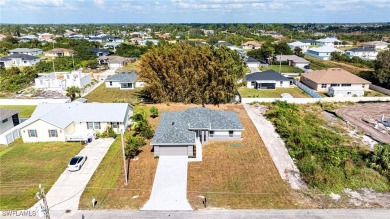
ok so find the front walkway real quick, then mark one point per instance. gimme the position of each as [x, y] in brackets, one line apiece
[170, 185]
[199, 155]
[65, 194]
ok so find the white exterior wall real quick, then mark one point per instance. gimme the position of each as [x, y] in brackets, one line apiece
[115, 65]
[321, 55]
[19, 62]
[115, 84]
[299, 65]
[7, 63]
[139, 84]
[75, 79]
[363, 55]
[346, 93]
[285, 84]
[8, 124]
[253, 65]
[42, 132]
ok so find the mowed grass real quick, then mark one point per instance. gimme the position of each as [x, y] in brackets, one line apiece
[272, 93]
[113, 95]
[24, 111]
[283, 69]
[25, 165]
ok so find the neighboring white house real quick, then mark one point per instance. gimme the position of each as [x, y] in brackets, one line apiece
[354, 91]
[266, 80]
[74, 121]
[329, 41]
[100, 52]
[323, 52]
[18, 60]
[26, 51]
[62, 80]
[377, 45]
[367, 53]
[298, 44]
[252, 62]
[28, 38]
[292, 60]
[124, 80]
[9, 118]
[145, 42]
[113, 62]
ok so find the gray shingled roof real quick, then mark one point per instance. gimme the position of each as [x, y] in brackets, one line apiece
[6, 113]
[25, 50]
[252, 60]
[174, 127]
[18, 56]
[265, 76]
[124, 77]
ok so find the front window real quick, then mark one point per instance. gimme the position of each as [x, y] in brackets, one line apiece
[110, 83]
[93, 125]
[32, 133]
[346, 85]
[211, 134]
[334, 85]
[230, 134]
[5, 120]
[53, 133]
[323, 85]
[115, 125]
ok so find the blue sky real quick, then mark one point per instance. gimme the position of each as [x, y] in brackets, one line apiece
[194, 11]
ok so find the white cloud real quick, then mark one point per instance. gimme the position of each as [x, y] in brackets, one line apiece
[99, 3]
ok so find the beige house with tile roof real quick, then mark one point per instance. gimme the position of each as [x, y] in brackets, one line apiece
[322, 80]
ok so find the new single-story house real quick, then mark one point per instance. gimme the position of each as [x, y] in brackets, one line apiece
[179, 132]
[100, 52]
[322, 80]
[298, 44]
[293, 60]
[74, 121]
[26, 51]
[58, 52]
[322, 53]
[367, 53]
[329, 41]
[28, 38]
[18, 60]
[9, 118]
[310, 42]
[252, 62]
[251, 45]
[377, 45]
[62, 80]
[124, 80]
[269, 79]
[113, 62]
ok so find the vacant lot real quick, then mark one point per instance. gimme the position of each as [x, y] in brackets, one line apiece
[283, 69]
[275, 93]
[317, 64]
[108, 95]
[24, 111]
[25, 165]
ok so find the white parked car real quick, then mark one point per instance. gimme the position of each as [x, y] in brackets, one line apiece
[77, 162]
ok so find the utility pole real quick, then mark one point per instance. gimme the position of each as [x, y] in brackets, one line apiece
[73, 62]
[42, 191]
[124, 158]
[53, 60]
[280, 63]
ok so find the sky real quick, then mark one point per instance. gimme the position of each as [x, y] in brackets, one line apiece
[193, 11]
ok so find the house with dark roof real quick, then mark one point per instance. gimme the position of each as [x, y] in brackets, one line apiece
[179, 132]
[269, 79]
[252, 62]
[124, 80]
[100, 52]
[74, 121]
[367, 53]
[18, 60]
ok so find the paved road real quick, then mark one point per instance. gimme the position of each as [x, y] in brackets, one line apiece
[230, 214]
[66, 192]
[169, 190]
[276, 148]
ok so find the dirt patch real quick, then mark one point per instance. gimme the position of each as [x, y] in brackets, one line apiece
[366, 118]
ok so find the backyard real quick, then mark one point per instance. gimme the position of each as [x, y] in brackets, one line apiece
[249, 178]
[272, 93]
[25, 165]
[108, 95]
[24, 111]
[283, 69]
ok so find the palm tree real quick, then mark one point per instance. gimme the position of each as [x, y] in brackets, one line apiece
[72, 92]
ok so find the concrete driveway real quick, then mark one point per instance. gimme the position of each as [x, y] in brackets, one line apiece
[66, 192]
[170, 185]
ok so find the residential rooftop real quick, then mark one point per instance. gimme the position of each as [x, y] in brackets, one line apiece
[124, 77]
[6, 113]
[18, 56]
[269, 75]
[334, 75]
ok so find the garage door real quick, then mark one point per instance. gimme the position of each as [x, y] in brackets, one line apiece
[173, 151]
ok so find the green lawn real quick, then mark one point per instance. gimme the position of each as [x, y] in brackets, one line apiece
[25, 165]
[111, 95]
[24, 111]
[283, 69]
[250, 92]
